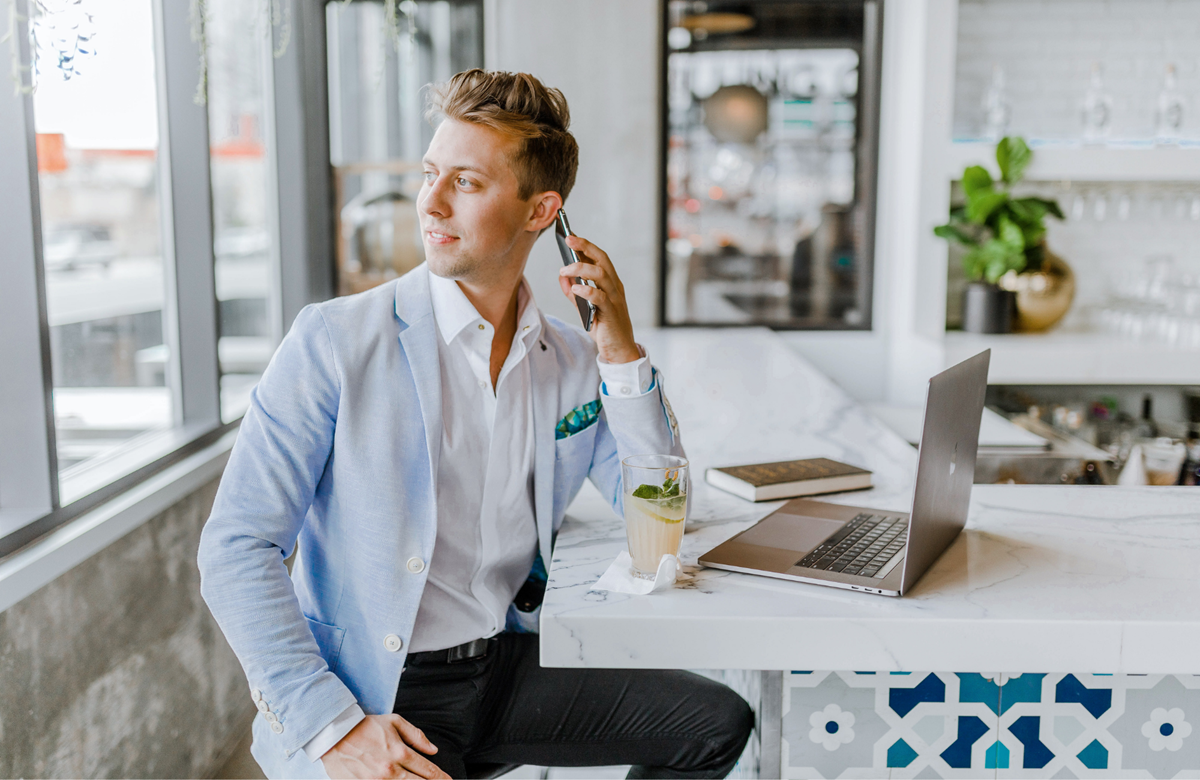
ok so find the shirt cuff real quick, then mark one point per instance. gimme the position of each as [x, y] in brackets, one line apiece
[626, 379]
[332, 734]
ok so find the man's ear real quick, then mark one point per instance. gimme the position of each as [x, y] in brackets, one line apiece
[545, 209]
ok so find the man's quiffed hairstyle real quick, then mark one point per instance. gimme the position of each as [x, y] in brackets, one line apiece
[521, 107]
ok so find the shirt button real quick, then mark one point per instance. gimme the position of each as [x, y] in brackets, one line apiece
[277, 727]
[262, 706]
[416, 565]
[256, 695]
[625, 390]
[392, 643]
[482, 326]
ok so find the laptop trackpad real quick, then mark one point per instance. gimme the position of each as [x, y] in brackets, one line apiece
[791, 532]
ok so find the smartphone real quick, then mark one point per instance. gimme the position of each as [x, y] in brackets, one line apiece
[562, 229]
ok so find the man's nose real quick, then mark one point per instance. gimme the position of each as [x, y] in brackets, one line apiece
[433, 200]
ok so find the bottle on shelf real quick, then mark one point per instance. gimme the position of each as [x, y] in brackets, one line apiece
[1168, 119]
[996, 109]
[1146, 427]
[1097, 108]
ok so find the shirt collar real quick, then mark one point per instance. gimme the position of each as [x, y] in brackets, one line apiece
[453, 311]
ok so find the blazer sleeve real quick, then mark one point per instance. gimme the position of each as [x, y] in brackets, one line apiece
[632, 425]
[281, 452]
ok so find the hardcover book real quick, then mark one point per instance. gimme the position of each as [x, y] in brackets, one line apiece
[788, 479]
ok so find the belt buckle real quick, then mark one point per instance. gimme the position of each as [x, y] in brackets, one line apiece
[476, 648]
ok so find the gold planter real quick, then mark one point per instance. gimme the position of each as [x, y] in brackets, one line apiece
[1044, 293]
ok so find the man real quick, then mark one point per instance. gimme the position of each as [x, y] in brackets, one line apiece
[419, 444]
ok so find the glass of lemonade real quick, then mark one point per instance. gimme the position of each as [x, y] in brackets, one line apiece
[656, 492]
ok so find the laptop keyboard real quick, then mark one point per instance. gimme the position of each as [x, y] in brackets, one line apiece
[863, 546]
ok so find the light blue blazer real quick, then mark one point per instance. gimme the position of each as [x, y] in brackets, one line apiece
[338, 455]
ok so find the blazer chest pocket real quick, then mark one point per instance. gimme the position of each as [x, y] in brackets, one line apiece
[577, 444]
[329, 641]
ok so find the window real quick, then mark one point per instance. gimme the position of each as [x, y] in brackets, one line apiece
[108, 306]
[156, 247]
[771, 116]
[246, 262]
[97, 162]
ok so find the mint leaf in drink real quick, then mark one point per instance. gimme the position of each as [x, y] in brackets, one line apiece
[676, 501]
[648, 491]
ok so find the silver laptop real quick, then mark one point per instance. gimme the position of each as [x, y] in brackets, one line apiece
[870, 549]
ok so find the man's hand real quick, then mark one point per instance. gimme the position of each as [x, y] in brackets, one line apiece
[611, 329]
[382, 746]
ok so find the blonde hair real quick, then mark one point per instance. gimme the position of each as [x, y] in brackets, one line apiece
[520, 107]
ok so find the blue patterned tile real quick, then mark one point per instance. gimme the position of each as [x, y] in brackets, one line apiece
[1027, 726]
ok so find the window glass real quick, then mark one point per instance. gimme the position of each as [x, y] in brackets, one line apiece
[96, 117]
[242, 245]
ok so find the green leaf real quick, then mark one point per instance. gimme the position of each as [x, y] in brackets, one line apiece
[1013, 156]
[952, 232]
[1010, 235]
[1049, 206]
[1028, 211]
[994, 270]
[992, 260]
[976, 179]
[974, 262]
[982, 205]
[648, 491]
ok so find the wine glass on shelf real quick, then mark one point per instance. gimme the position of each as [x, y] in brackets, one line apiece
[1168, 118]
[996, 109]
[1097, 108]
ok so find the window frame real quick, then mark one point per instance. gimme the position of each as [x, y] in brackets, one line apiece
[32, 503]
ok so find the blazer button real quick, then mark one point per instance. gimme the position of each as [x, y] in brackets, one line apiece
[262, 705]
[416, 565]
[256, 695]
[392, 643]
[277, 727]
[270, 716]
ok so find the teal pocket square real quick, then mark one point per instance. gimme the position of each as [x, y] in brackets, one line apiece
[577, 419]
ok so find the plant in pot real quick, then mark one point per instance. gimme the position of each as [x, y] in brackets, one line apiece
[1002, 236]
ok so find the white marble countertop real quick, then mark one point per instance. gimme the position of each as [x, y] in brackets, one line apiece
[1044, 578]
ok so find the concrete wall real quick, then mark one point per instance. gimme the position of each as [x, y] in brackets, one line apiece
[117, 669]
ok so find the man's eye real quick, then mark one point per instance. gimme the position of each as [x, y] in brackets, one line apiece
[465, 182]
[430, 176]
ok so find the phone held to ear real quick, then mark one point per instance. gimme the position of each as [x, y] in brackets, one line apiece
[562, 229]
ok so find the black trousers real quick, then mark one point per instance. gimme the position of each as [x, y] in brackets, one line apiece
[505, 708]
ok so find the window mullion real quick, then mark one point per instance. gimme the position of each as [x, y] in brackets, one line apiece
[190, 311]
[28, 461]
[298, 133]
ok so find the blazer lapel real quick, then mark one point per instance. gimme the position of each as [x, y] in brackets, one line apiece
[543, 365]
[418, 336]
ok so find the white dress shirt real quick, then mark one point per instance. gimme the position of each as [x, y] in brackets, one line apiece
[486, 534]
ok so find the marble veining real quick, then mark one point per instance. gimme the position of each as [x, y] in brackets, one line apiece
[1052, 578]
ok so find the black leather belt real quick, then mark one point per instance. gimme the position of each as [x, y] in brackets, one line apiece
[476, 648]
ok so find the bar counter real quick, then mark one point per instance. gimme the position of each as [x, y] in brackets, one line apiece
[1055, 581]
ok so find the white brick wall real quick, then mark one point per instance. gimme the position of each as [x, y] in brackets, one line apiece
[1047, 48]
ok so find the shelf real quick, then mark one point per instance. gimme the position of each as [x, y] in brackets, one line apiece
[1070, 358]
[1079, 163]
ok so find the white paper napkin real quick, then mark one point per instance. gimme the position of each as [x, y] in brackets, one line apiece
[619, 579]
